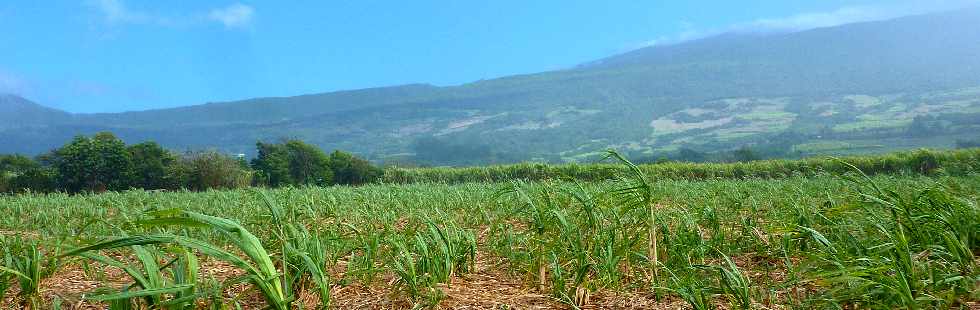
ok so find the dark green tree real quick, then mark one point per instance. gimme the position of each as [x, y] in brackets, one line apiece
[272, 164]
[11, 167]
[745, 154]
[292, 162]
[308, 164]
[150, 164]
[93, 164]
[351, 170]
[211, 170]
[17, 163]
[37, 179]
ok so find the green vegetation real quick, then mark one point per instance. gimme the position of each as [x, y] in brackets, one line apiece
[832, 237]
[958, 162]
[104, 163]
[292, 163]
[717, 94]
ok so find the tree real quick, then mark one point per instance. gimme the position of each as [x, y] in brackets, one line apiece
[744, 154]
[93, 164]
[272, 164]
[308, 164]
[37, 179]
[12, 167]
[16, 163]
[150, 164]
[351, 170]
[211, 170]
[292, 163]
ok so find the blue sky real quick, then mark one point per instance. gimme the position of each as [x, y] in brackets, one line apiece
[117, 55]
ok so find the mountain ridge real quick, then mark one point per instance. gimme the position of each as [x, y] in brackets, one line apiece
[17, 111]
[713, 93]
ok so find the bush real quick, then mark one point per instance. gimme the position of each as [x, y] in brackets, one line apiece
[5, 179]
[956, 162]
[40, 180]
[150, 162]
[292, 163]
[93, 164]
[209, 170]
[351, 170]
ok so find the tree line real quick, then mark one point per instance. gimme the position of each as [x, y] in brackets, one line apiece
[104, 162]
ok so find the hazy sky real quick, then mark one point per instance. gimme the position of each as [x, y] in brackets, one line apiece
[115, 55]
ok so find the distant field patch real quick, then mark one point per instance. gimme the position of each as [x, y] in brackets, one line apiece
[872, 124]
[666, 126]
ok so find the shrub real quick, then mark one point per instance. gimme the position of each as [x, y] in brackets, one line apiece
[150, 162]
[351, 170]
[292, 163]
[93, 164]
[41, 180]
[210, 170]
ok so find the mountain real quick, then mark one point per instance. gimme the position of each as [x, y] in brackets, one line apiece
[864, 87]
[16, 112]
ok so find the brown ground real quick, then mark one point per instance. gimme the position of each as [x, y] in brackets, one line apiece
[486, 288]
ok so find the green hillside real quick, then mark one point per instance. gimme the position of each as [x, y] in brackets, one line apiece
[17, 112]
[858, 88]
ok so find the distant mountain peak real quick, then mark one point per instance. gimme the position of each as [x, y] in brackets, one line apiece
[10, 96]
[859, 83]
[17, 111]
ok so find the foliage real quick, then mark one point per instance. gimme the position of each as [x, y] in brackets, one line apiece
[957, 162]
[105, 163]
[93, 164]
[751, 87]
[819, 241]
[745, 154]
[272, 164]
[16, 163]
[351, 170]
[211, 170]
[150, 162]
[41, 180]
[292, 163]
[27, 265]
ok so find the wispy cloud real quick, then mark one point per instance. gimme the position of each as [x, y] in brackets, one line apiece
[812, 20]
[689, 33]
[806, 21]
[236, 15]
[115, 11]
[233, 16]
[851, 14]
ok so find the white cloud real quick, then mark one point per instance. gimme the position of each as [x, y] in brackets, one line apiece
[683, 36]
[852, 14]
[117, 12]
[232, 16]
[806, 21]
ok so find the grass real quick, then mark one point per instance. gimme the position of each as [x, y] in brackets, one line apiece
[809, 240]
[24, 263]
[957, 162]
